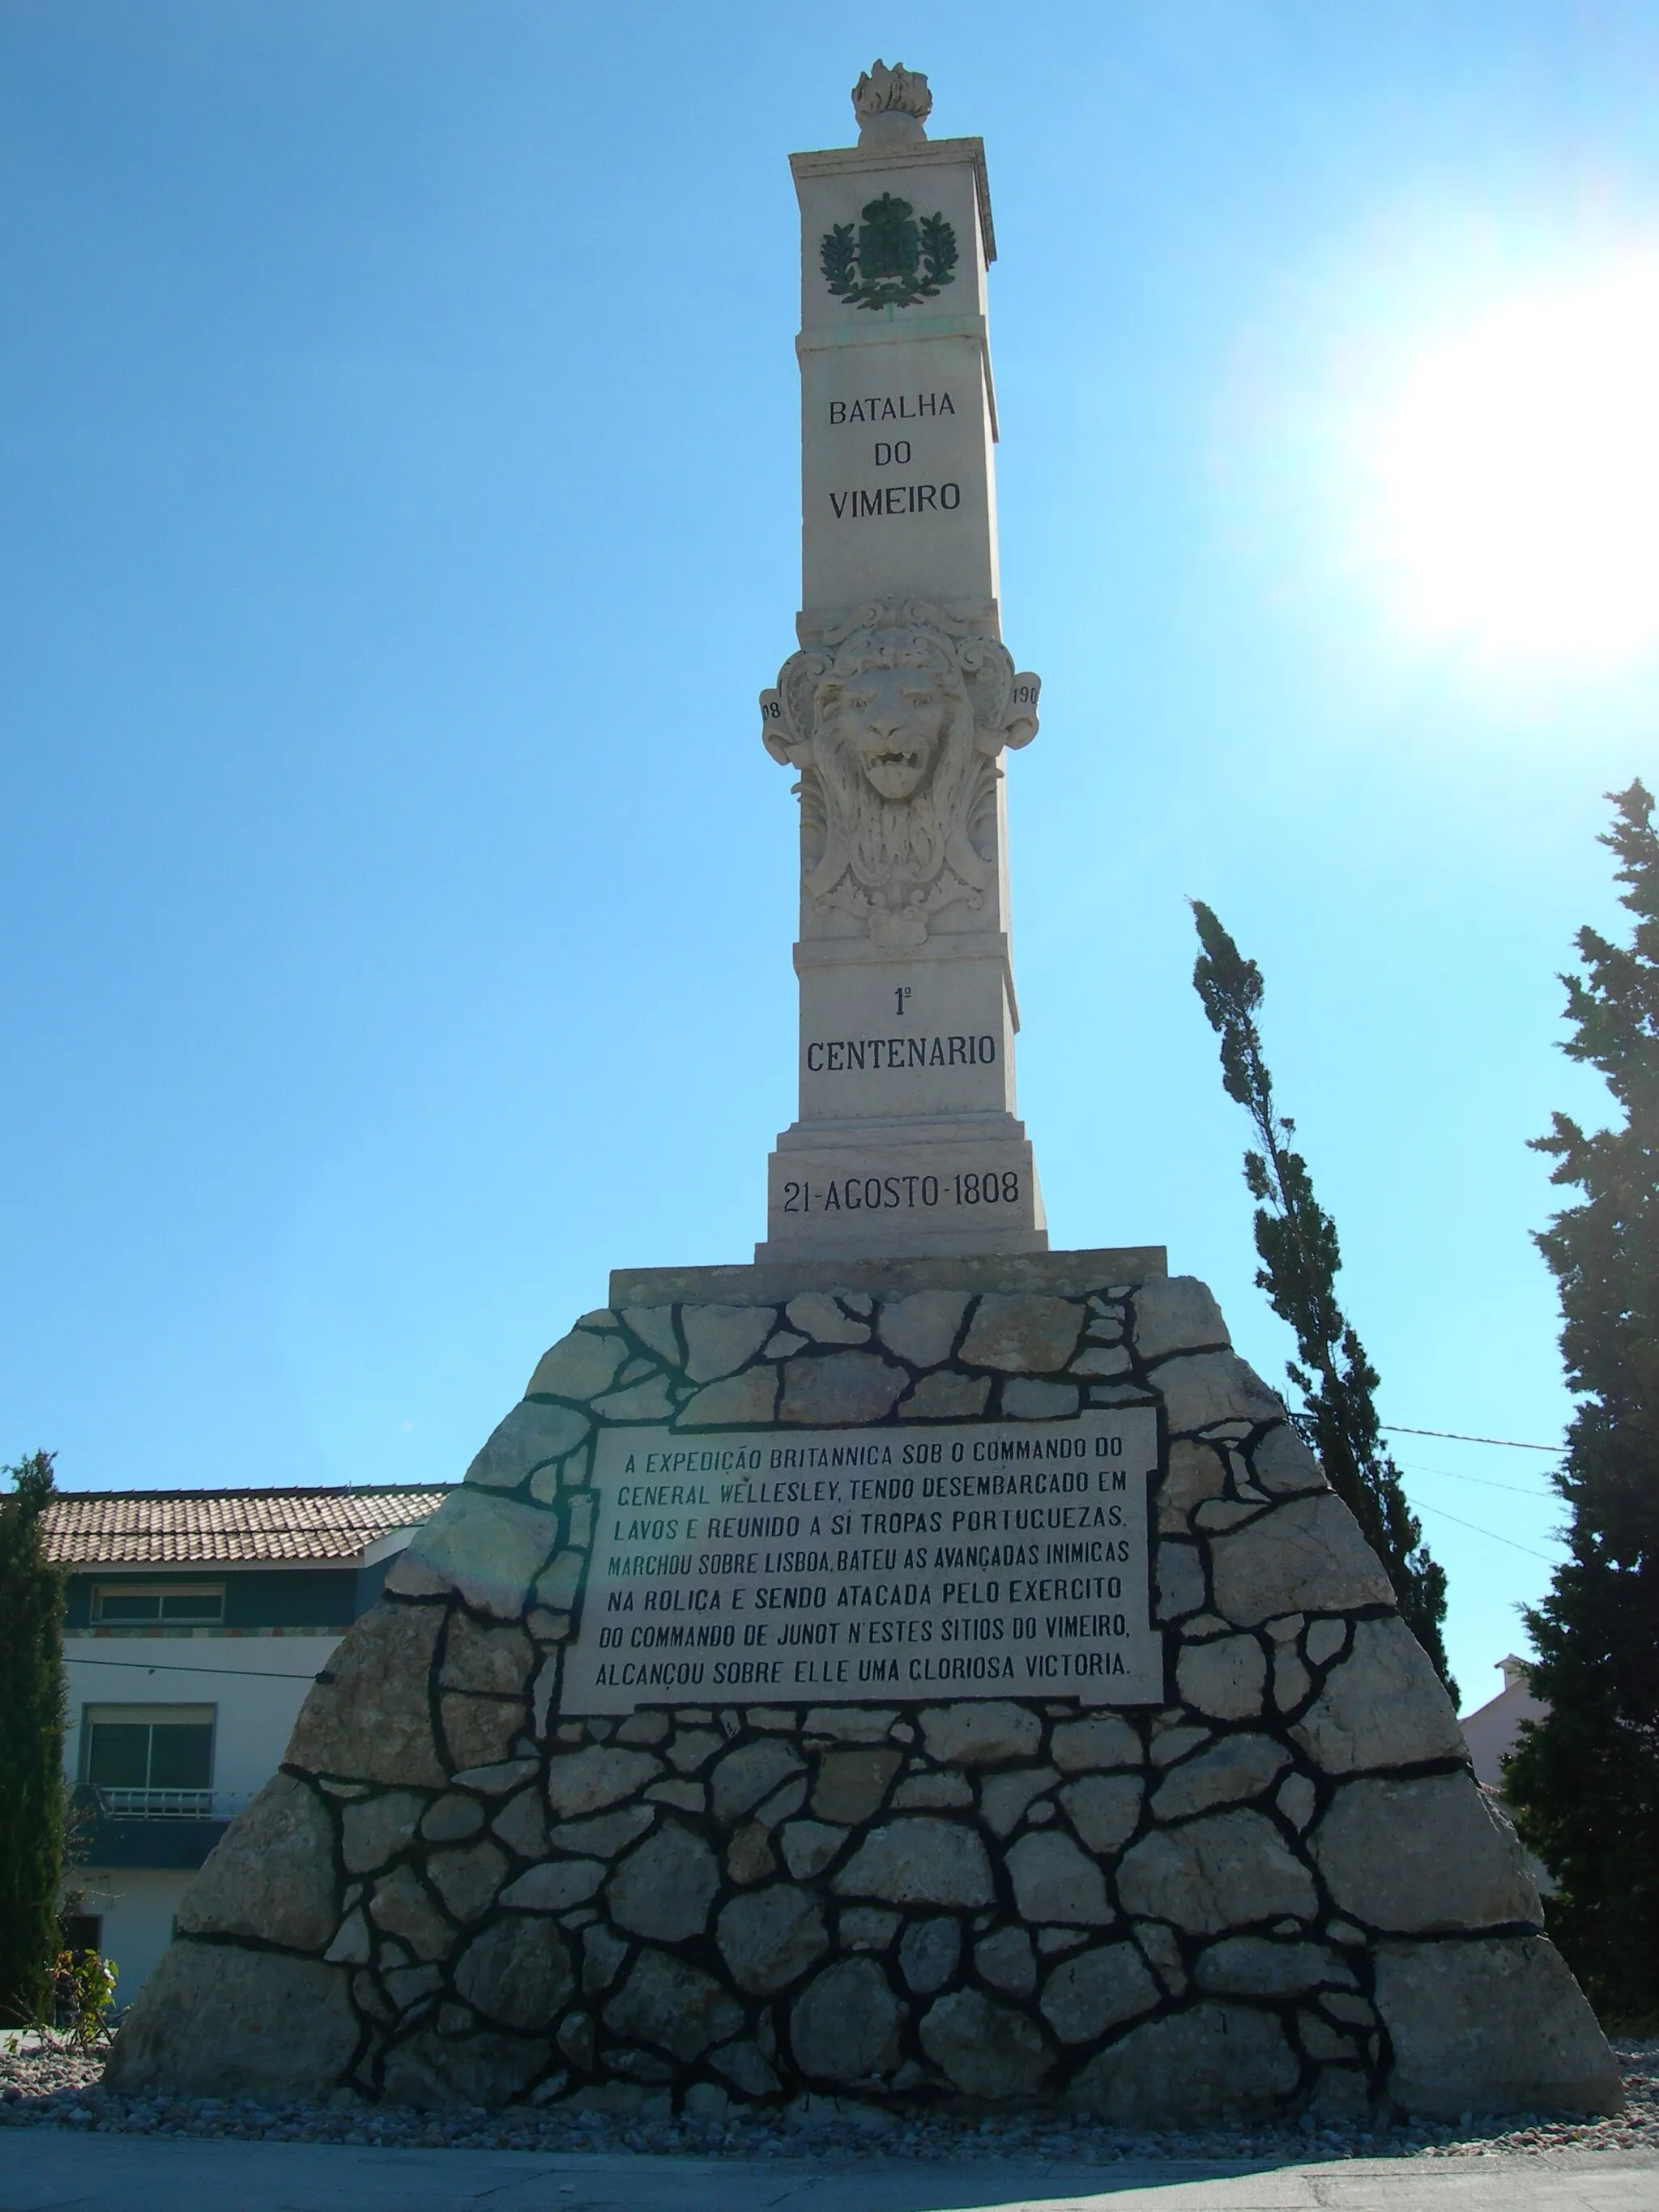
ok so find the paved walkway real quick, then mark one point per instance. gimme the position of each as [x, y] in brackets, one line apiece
[42, 2169]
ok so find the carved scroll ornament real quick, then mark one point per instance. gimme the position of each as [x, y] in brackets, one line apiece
[895, 724]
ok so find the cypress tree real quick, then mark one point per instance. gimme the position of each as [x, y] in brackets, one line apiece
[1585, 1781]
[1297, 1241]
[31, 1746]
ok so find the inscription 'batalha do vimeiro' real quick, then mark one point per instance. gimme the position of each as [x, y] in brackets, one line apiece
[918, 1666]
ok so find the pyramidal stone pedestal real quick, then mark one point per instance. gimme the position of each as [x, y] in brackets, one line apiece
[919, 1666]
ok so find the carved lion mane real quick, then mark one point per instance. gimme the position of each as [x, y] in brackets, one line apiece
[895, 856]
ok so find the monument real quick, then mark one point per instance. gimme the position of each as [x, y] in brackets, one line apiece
[919, 1665]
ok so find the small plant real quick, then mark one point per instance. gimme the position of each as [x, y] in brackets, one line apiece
[82, 1997]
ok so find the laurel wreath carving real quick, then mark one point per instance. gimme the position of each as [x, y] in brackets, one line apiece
[838, 255]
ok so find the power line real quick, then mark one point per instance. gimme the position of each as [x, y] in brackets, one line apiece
[1515, 1489]
[1491, 1533]
[1453, 1437]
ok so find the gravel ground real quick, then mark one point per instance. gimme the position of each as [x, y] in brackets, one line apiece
[59, 2088]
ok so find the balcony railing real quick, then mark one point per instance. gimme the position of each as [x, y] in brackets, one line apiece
[169, 1804]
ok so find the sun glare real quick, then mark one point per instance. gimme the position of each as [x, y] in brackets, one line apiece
[1514, 479]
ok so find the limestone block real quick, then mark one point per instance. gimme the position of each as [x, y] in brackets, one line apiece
[434, 2070]
[985, 2050]
[578, 1365]
[840, 1388]
[919, 1859]
[487, 1549]
[1223, 1871]
[1384, 1705]
[1026, 1398]
[584, 1781]
[1493, 2026]
[270, 1875]
[929, 1951]
[558, 1584]
[817, 1316]
[1238, 1766]
[452, 1819]
[1224, 1679]
[944, 1790]
[851, 1724]
[743, 1777]
[1173, 1738]
[467, 1880]
[1022, 1334]
[665, 1888]
[851, 1784]
[1296, 1800]
[375, 1829]
[1324, 1639]
[1084, 1747]
[1097, 1989]
[1201, 1389]
[687, 1796]
[642, 1401]
[693, 1748]
[1282, 1463]
[1104, 1808]
[1053, 1881]
[533, 1433]
[845, 2025]
[867, 1928]
[644, 1727]
[1292, 1680]
[215, 2021]
[1006, 1960]
[371, 1722]
[518, 1971]
[556, 1886]
[809, 1846]
[770, 1938]
[980, 1733]
[353, 1944]
[1176, 1313]
[744, 2065]
[748, 1855]
[1196, 2066]
[719, 1339]
[654, 1326]
[606, 1834]
[945, 1397]
[1004, 1798]
[1180, 1580]
[480, 1731]
[602, 1957]
[739, 1401]
[923, 1328]
[1196, 1471]
[401, 1907]
[407, 1988]
[1419, 1857]
[668, 2002]
[1305, 1557]
[1252, 1966]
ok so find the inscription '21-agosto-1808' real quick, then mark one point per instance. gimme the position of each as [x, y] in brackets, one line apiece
[991, 1559]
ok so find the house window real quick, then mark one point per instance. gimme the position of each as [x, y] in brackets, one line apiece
[158, 1602]
[82, 1931]
[150, 1759]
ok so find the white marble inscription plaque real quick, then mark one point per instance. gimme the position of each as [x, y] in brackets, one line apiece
[794, 1566]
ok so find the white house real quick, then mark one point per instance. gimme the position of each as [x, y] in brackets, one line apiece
[195, 1622]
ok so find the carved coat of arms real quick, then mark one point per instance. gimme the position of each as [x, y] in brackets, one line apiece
[890, 259]
[895, 724]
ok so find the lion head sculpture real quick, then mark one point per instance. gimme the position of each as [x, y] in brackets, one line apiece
[895, 724]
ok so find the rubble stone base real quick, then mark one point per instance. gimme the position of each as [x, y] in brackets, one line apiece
[1282, 1890]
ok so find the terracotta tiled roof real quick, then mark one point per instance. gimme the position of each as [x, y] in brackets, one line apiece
[201, 1528]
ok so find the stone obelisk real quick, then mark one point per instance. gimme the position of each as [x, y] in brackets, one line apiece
[922, 1667]
[897, 713]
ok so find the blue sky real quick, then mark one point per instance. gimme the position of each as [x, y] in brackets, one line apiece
[398, 476]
